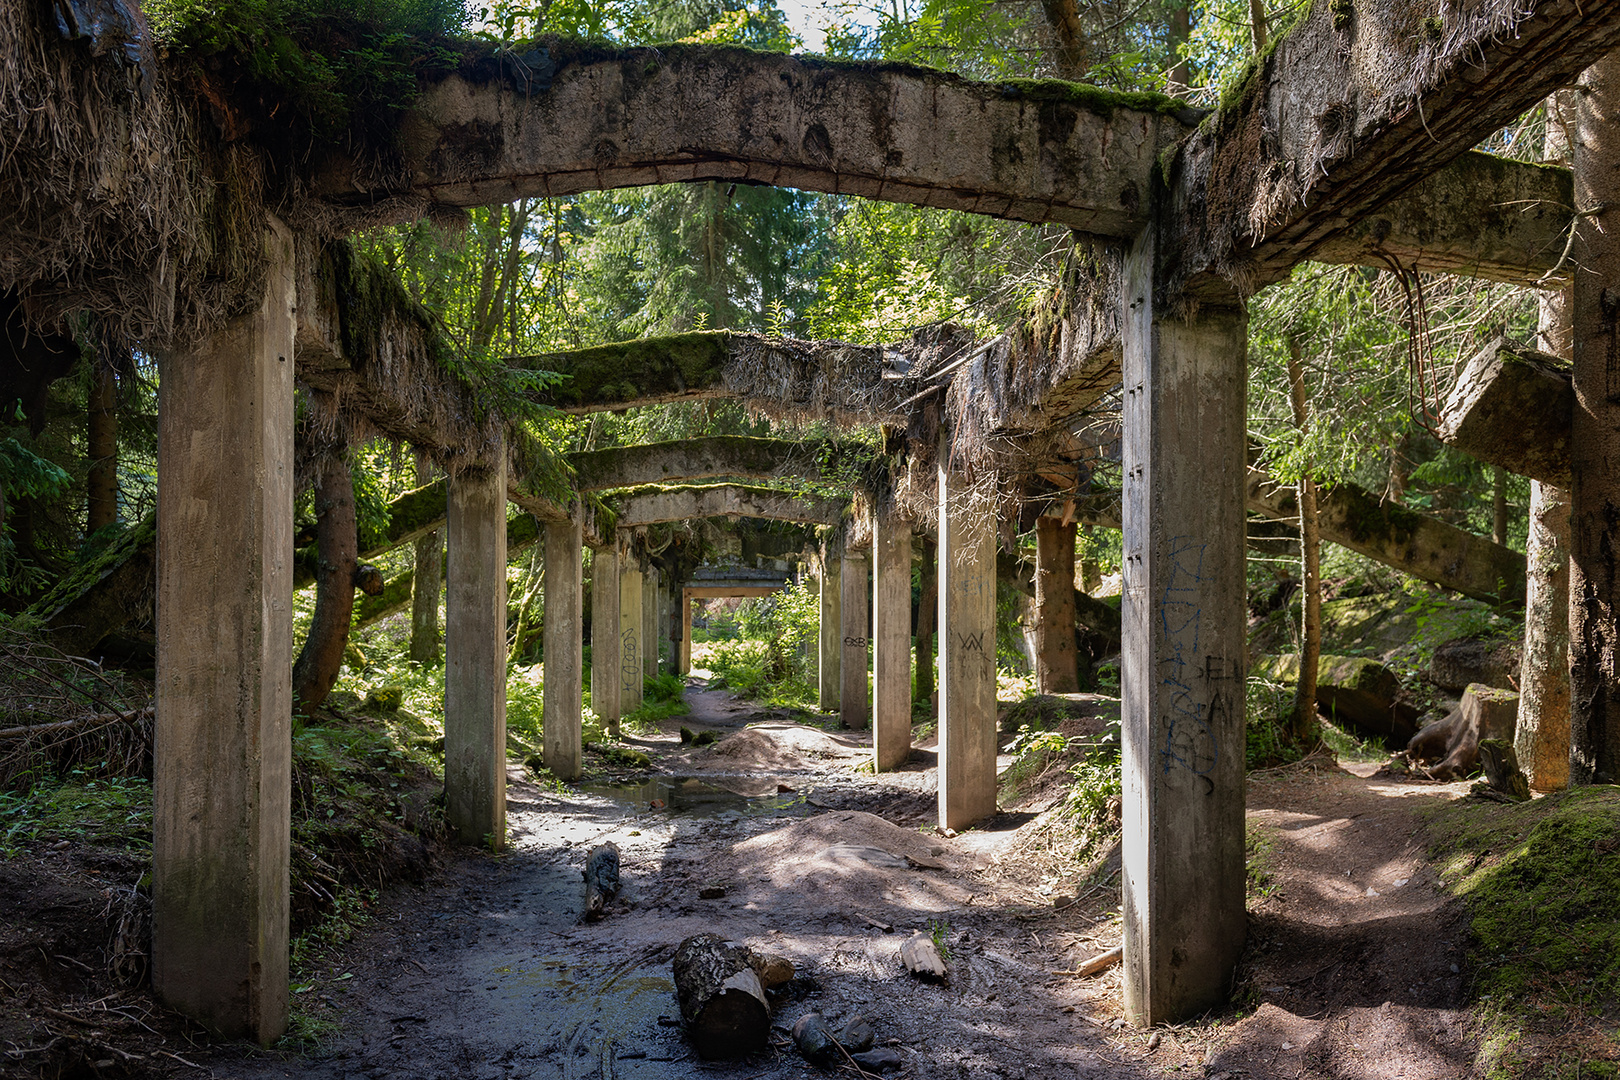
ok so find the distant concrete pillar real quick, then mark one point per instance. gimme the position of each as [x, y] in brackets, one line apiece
[632, 632]
[1053, 656]
[830, 640]
[475, 658]
[891, 644]
[222, 784]
[649, 623]
[563, 749]
[1184, 652]
[967, 648]
[685, 667]
[605, 663]
[855, 612]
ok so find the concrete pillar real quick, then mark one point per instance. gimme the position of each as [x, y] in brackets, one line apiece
[222, 784]
[631, 631]
[967, 648]
[856, 621]
[563, 748]
[475, 658]
[605, 637]
[830, 640]
[891, 644]
[685, 667]
[649, 622]
[1184, 653]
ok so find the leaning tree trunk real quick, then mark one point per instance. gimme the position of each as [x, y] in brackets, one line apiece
[337, 543]
[1305, 729]
[1056, 667]
[927, 610]
[1594, 579]
[101, 441]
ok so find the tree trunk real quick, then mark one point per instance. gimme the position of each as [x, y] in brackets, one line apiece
[1499, 506]
[1177, 78]
[425, 584]
[927, 610]
[1063, 16]
[1056, 669]
[525, 630]
[1305, 728]
[721, 998]
[319, 661]
[1594, 579]
[101, 439]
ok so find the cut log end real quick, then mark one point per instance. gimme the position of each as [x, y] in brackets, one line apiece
[721, 999]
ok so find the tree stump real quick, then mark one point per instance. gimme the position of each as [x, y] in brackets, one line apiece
[1484, 713]
[1502, 770]
[721, 998]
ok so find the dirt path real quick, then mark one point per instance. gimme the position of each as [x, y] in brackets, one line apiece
[489, 973]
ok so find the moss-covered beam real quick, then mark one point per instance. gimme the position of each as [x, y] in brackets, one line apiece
[653, 506]
[743, 457]
[573, 117]
[1389, 533]
[1514, 408]
[106, 593]
[1358, 102]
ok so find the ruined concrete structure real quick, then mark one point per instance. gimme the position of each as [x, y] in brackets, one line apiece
[1348, 142]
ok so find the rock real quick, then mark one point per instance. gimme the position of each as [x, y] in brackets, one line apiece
[814, 1038]
[884, 1059]
[385, 698]
[1485, 713]
[1353, 690]
[857, 1034]
[1458, 663]
[712, 892]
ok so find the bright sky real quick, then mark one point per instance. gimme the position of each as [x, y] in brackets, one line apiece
[809, 18]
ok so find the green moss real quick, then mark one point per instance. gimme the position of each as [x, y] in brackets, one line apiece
[1541, 881]
[1095, 99]
[634, 372]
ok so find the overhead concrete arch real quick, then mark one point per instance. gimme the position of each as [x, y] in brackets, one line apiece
[741, 456]
[662, 505]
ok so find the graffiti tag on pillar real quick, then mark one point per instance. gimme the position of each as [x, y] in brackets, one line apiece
[629, 660]
[1189, 741]
[854, 643]
[971, 642]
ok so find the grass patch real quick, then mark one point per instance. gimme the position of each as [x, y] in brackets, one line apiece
[108, 811]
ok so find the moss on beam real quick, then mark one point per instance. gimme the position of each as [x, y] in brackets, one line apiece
[634, 372]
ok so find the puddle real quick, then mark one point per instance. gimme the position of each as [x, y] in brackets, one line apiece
[711, 796]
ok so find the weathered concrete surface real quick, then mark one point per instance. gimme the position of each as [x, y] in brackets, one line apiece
[632, 634]
[741, 457]
[830, 636]
[605, 636]
[1184, 652]
[475, 658]
[891, 642]
[594, 118]
[1347, 112]
[720, 500]
[1513, 408]
[650, 658]
[1420, 545]
[222, 771]
[855, 622]
[563, 747]
[967, 649]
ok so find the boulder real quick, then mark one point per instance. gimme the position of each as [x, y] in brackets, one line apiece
[1464, 661]
[1484, 713]
[1354, 690]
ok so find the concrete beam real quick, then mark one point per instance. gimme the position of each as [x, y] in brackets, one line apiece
[605, 636]
[855, 623]
[1513, 408]
[1345, 114]
[222, 770]
[722, 500]
[700, 592]
[891, 642]
[650, 660]
[1184, 652]
[632, 634]
[588, 118]
[563, 749]
[967, 649]
[740, 457]
[475, 658]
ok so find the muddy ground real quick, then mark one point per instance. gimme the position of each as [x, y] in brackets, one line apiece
[1355, 967]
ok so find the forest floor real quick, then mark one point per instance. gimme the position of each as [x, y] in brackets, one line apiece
[1355, 964]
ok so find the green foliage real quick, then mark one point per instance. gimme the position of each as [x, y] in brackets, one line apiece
[775, 657]
[113, 811]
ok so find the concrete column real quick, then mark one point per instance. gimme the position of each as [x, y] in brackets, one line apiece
[891, 645]
[856, 620]
[563, 748]
[1184, 653]
[685, 667]
[631, 634]
[475, 658]
[222, 783]
[830, 640]
[649, 622]
[967, 648]
[605, 637]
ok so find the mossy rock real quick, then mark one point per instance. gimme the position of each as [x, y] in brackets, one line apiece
[1350, 689]
[385, 698]
[627, 757]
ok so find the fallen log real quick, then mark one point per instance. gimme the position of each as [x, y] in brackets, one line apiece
[721, 999]
[601, 879]
[921, 957]
[1513, 407]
